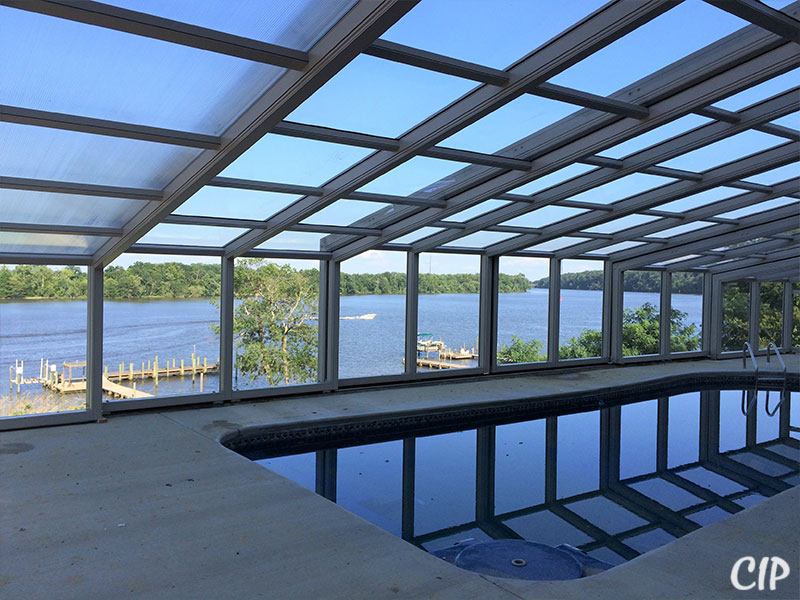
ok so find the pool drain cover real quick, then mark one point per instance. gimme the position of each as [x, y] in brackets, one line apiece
[519, 559]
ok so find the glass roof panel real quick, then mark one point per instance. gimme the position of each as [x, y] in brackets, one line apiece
[650, 47]
[547, 215]
[624, 187]
[510, 123]
[190, 235]
[382, 97]
[477, 210]
[700, 199]
[412, 237]
[759, 92]
[292, 240]
[25, 206]
[778, 175]
[234, 203]
[294, 160]
[49, 243]
[621, 223]
[481, 239]
[143, 80]
[344, 212]
[680, 229]
[556, 244]
[616, 247]
[791, 120]
[494, 34]
[759, 207]
[721, 152]
[679, 259]
[655, 136]
[554, 178]
[294, 24]
[54, 154]
[419, 176]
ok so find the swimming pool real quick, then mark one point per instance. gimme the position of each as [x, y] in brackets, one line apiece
[615, 481]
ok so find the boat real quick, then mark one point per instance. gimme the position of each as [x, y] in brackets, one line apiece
[367, 317]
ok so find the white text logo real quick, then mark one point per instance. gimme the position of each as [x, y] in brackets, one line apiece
[778, 569]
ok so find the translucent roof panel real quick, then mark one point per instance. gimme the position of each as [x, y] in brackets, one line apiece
[292, 240]
[495, 34]
[47, 243]
[54, 154]
[294, 24]
[547, 215]
[700, 199]
[481, 239]
[621, 224]
[419, 176]
[24, 206]
[396, 97]
[680, 229]
[773, 176]
[760, 207]
[477, 210]
[616, 247]
[190, 235]
[656, 136]
[344, 212]
[650, 47]
[293, 160]
[791, 120]
[724, 151]
[412, 237]
[510, 123]
[143, 80]
[233, 203]
[554, 178]
[759, 92]
[556, 244]
[624, 187]
[679, 259]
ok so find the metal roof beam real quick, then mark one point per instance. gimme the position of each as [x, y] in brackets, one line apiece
[58, 229]
[255, 224]
[167, 30]
[708, 258]
[81, 189]
[36, 258]
[762, 15]
[783, 265]
[337, 136]
[587, 100]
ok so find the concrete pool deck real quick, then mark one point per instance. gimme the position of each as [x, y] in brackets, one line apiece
[151, 505]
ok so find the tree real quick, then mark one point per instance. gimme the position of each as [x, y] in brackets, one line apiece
[275, 323]
[520, 351]
[588, 344]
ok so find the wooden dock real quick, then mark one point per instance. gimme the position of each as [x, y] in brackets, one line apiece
[430, 363]
[109, 387]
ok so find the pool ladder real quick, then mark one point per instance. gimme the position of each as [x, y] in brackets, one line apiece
[750, 397]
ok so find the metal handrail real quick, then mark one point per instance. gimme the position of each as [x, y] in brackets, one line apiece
[774, 411]
[748, 406]
[778, 354]
[747, 347]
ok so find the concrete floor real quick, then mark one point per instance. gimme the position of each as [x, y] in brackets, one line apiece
[152, 506]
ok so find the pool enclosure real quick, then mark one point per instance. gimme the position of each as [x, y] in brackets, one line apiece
[135, 128]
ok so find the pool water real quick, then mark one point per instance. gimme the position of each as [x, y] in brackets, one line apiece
[615, 482]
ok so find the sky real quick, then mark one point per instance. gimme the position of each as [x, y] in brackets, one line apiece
[368, 95]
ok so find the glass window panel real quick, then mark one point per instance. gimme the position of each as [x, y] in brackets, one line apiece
[50, 243]
[774, 176]
[275, 323]
[235, 204]
[581, 306]
[624, 187]
[638, 439]
[686, 322]
[344, 212]
[477, 210]
[143, 81]
[40, 338]
[758, 208]
[762, 91]
[617, 247]
[680, 229]
[701, 199]
[397, 98]
[683, 431]
[522, 310]
[641, 303]
[419, 176]
[554, 178]
[295, 24]
[55, 154]
[771, 312]
[481, 239]
[578, 454]
[556, 244]
[508, 124]
[372, 309]
[418, 234]
[293, 240]
[735, 314]
[650, 47]
[447, 323]
[293, 160]
[656, 136]
[519, 465]
[159, 320]
[547, 215]
[191, 235]
[724, 151]
[493, 34]
[620, 224]
[25, 206]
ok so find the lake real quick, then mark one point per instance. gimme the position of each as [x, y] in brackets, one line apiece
[137, 331]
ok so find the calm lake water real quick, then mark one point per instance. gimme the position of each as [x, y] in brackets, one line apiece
[137, 331]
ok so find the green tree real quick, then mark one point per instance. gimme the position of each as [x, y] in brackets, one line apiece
[735, 314]
[588, 344]
[274, 324]
[520, 351]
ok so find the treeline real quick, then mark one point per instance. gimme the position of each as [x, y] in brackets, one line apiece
[179, 280]
[634, 281]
